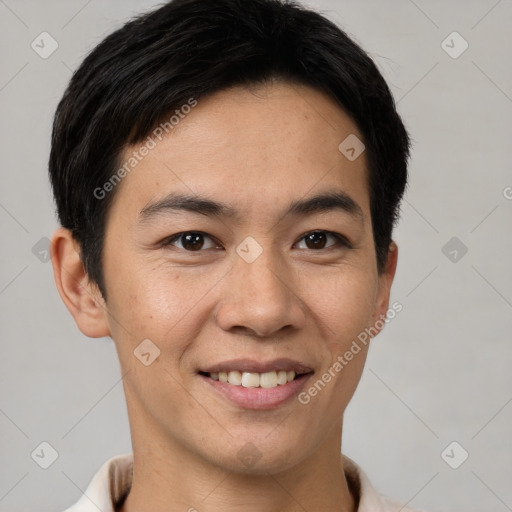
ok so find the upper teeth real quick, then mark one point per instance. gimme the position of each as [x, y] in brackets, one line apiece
[254, 380]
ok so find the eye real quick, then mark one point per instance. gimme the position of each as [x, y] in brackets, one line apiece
[192, 241]
[317, 239]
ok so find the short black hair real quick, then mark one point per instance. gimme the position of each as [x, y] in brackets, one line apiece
[154, 64]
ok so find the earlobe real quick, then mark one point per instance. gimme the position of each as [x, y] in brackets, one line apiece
[82, 298]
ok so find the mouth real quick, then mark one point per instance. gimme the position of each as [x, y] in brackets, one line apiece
[267, 380]
[255, 385]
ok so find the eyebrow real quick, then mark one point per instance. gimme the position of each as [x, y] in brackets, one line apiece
[320, 203]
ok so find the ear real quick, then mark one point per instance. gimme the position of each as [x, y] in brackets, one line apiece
[82, 298]
[384, 287]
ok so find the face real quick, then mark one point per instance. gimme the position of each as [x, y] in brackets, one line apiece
[246, 285]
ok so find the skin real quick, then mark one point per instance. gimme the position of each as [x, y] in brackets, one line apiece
[257, 151]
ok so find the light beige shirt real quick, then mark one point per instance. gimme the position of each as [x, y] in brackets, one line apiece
[113, 481]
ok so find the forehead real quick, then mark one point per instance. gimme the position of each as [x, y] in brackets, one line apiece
[252, 148]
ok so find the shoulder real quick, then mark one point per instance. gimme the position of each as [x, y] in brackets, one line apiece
[107, 487]
[369, 500]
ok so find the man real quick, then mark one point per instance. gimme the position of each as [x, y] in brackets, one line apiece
[227, 174]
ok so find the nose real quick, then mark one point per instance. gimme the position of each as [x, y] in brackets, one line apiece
[260, 298]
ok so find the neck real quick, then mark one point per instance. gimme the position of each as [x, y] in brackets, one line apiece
[168, 477]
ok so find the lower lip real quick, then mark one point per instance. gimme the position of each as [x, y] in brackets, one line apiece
[258, 398]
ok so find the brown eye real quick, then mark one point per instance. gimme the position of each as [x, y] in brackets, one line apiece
[318, 240]
[191, 241]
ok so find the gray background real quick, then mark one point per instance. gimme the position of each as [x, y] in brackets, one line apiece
[440, 371]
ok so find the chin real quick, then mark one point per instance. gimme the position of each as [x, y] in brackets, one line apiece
[261, 456]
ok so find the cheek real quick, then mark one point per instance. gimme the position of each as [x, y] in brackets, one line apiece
[344, 304]
[344, 311]
[163, 305]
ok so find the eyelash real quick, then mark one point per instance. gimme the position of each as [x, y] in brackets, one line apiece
[342, 240]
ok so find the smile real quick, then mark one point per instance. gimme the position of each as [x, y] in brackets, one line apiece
[252, 384]
[254, 380]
